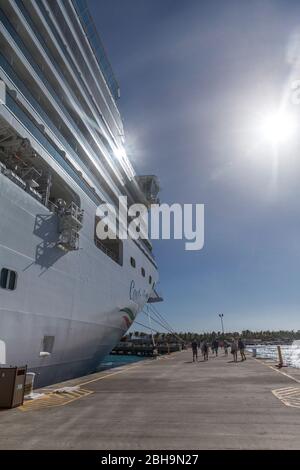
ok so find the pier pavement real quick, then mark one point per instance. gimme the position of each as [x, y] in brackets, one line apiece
[169, 403]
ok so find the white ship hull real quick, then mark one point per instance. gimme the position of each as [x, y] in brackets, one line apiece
[59, 120]
[76, 297]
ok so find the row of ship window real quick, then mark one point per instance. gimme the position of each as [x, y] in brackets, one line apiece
[143, 272]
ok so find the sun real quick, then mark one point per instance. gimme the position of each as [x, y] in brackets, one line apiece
[278, 127]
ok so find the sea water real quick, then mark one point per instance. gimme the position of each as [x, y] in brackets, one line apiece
[117, 360]
[290, 353]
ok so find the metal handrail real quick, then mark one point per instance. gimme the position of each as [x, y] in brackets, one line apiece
[97, 46]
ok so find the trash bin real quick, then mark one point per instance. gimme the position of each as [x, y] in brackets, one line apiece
[12, 386]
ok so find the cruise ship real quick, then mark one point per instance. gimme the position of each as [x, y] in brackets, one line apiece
[66, 297]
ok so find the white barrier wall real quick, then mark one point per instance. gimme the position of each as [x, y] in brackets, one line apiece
[2, 352]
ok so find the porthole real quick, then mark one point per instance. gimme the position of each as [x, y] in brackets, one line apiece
[132, 262]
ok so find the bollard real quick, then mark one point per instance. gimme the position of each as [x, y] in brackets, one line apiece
[280, 360]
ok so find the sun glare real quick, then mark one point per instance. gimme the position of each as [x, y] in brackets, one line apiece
[278, 127]
[119, 153]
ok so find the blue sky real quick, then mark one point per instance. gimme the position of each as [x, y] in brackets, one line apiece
[196, 77]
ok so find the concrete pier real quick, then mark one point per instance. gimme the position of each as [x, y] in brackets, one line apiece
[169, 403]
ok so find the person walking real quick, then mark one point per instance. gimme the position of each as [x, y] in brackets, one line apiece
[225, 348]
[195, 350]
[204, 350]
[234, 350]
[241, 346]
[215, 346]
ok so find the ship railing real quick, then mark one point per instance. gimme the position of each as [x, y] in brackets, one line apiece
[70, 223]
[75, 212]
[69, 240]
[35, 194]
[97, 47]
[14, 177]
[52, 207]
[71, 216]
[36, 106]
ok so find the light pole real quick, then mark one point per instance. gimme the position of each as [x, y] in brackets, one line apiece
[221, 317]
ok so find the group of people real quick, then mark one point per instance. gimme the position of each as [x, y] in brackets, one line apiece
[236, 345]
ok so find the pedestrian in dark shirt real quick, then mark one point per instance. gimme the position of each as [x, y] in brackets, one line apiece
[241, 347]
[215, 346]
[195, 350]
[204, 350]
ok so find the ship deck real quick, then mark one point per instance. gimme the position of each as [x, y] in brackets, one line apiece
[169, 403]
